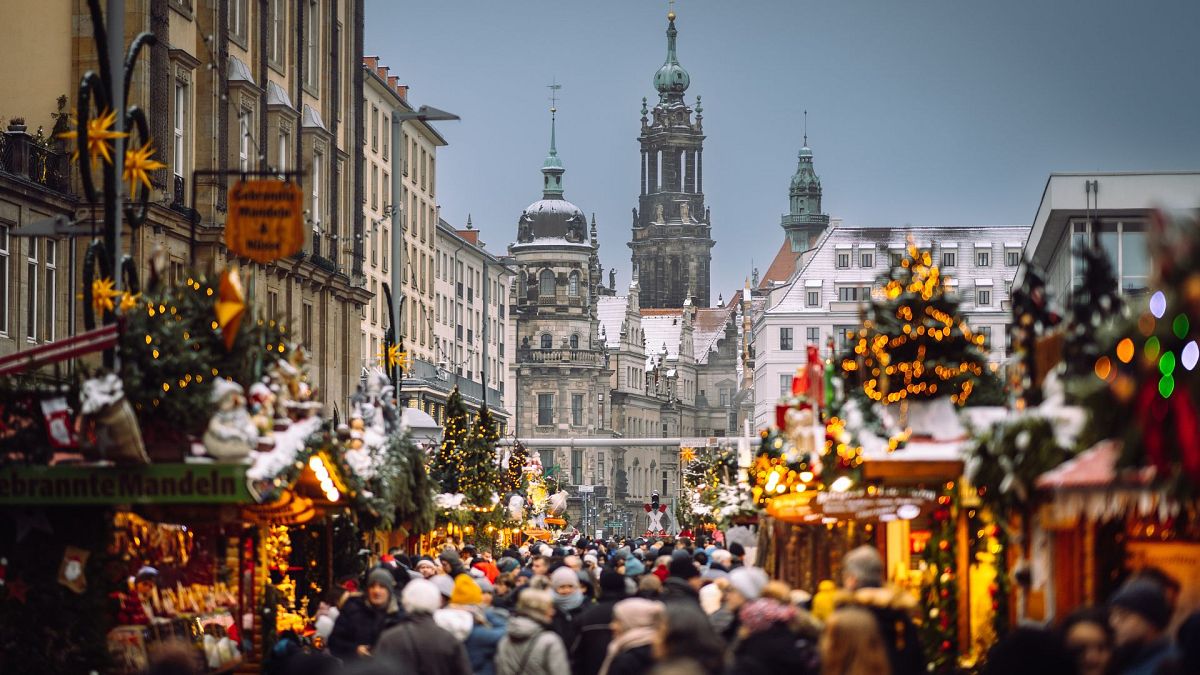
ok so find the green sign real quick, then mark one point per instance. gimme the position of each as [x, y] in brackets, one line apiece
[613, 524]
[149, 484]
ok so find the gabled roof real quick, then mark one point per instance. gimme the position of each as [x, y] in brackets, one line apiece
[782, 267]
[708, 328]
[662, 327]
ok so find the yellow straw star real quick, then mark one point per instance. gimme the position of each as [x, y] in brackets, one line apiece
[129, 301]
[139, 164]
[687, 454]
[103, 292]
[99, 134]
[230, 306]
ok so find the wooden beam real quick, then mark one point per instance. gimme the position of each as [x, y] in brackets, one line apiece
[913, 471]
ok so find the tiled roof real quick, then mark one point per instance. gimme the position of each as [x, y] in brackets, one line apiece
[782, 267]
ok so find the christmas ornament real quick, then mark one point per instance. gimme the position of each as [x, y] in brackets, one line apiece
[71, 570]
[230, 306]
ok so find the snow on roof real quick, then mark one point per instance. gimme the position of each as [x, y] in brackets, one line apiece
[813, 283]
[709, 328]
[661, 327]
[552, 241]
[611, 312]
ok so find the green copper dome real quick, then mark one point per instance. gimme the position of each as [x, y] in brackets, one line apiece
[671, 78]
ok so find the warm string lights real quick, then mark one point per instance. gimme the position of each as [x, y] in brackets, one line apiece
[912, 343]
[939, 626]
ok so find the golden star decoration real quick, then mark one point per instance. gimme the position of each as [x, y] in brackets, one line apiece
[99, 134]
[687, 454]
[391, 356]
[138, 165]
[129, 301]
[103, 293]
[231, 305]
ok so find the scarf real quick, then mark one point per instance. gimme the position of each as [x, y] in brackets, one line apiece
[630, 639]
[566, 603]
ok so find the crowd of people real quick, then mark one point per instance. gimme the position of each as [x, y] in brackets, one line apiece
[683, 607]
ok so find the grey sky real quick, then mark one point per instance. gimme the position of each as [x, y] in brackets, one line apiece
[933, 112]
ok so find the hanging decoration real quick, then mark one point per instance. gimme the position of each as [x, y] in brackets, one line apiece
[230, 306]
[71, 570]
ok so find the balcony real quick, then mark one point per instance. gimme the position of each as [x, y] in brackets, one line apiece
[21, 156]
[565, 357]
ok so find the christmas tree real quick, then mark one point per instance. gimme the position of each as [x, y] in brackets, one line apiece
[1093, 303]
[1031, 318]
[512, 477]
[480, 477]
[939, 594]
[447, 469]
[913, 344]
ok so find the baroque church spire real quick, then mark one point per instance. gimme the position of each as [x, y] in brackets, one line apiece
[552, 168]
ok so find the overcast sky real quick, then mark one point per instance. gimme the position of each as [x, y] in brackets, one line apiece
[929, 112]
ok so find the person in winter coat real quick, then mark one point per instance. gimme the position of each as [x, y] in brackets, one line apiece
[595, 631]
[467, 620]
[862, 578]
[686, 639]
[531, 648]
[684, 582]
[364, 617]
[769, 643]
[853, 645]
[418, 642]
[635, 625]
[568, 604]
[1139, 615]
[744, 585]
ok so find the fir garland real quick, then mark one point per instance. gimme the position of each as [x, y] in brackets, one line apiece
[1004, 461]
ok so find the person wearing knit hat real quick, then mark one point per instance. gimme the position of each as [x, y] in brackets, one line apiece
[506, 565]
[739, 554]
[426, 567]
[683, 581]
[595, 631]
[568, 602]
[744, 585]
[635, 626]
[363, 617]
[451, 563]
[418, 642]
[1139, 615]
[445, 584]
[466, 591]
[634, 567]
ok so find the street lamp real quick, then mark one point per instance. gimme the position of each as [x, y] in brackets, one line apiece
[399, 117]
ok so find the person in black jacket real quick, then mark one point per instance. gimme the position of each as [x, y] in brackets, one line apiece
[569, 604]
[364, 617]
[683, 582]
[770, 640]
[862, 577]
[595, 631]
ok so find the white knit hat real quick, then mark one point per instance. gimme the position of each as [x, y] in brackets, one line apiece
[421, 596]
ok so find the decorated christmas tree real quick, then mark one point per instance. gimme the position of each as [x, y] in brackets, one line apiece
[939, 592]
[913, 344]
[512, 476]
[1094, 302]
[447, 469]
[479, 477]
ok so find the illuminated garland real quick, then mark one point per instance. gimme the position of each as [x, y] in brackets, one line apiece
[939, 593]
[913, 345]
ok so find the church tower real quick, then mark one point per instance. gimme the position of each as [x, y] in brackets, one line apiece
[672, 237]
[804, 222]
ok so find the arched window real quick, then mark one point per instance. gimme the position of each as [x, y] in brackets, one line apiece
[573, 285]
[575, 341]
[546, 283]
[547, 341]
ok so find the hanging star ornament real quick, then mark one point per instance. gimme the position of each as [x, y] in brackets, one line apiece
[99, 133]
[129, 301]
[103, 293]
[231, 305]
[687, 454]
[139, 163]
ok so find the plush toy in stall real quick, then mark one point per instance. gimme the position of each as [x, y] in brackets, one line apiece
[57, 414]
[112, 421]
[262, 407]
[231, 433]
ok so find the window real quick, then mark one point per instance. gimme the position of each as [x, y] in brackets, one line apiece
[573, 285]
[238, 19]
[386, 182]
[724, 397]
[1012, 258]
[277, 33]
[983, 258]
[986, 332]
[273, 305]
[4, 283]
[813, 298]
[316, 196]
[177, 158]
[785, 338]
[601, 478]
[386, 131]
[31, 290]
[1125, 244]
[285, 144]
[244, 140]
[545, 409]
[949, 258]
[846, 336]
[574, 341]
[312, 56]
[814, 335]
[895, 256]
[546, 283]
[375, 304]
[385, 247]
[983, 297]
[374, 128]
[50, 288]
[374, 186]
[306, 327]
[785, 384]
[577, 467]
[854, 293]
[866, 259]
[547, 341]
[577, 409]
[843, 260]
